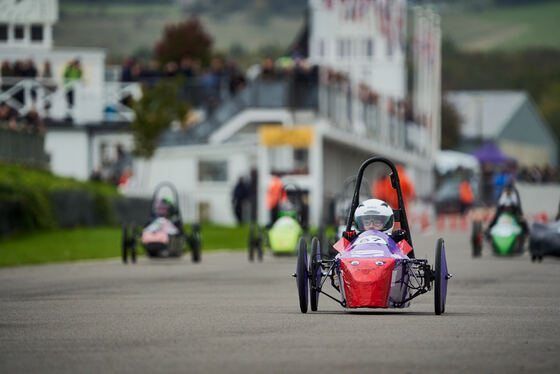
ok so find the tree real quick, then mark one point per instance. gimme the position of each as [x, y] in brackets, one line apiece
[155, 111]
[451, 122]
[185, 39]
[549, 103]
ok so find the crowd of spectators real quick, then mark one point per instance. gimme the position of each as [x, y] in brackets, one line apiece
[11, 119]
[297, 68]
[11, 74]
[203, 85]
[539, 174]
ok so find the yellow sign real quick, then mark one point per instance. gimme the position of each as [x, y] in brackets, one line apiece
[278, 135]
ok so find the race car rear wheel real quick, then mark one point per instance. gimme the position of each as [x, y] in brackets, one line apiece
[196, 243]
[251, 242]
[441, 278]
[259, 245]
[476, 239]
[302, 275]
[315, 273]
[133, 251]
[124, 244]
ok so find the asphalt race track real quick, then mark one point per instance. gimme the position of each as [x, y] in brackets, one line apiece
[226, 315]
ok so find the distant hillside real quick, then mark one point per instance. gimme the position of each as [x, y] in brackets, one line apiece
[127, 27]
[533, 24]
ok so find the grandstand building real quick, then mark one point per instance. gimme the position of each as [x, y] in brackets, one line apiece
[316, 132]
[346, 99]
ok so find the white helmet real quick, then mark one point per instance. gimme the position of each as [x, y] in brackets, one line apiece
[508, 198]
[374, 214]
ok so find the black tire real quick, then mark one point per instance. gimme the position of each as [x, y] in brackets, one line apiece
[251, 243]
[196, 243]
[124, 245]
[133, 251]
[441, 276]
[315, 273]
[301, 275]
[260, 250]
[477, 239]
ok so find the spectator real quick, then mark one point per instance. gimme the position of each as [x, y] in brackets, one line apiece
[8, 115]
[501, 179]
[171, 69]
[268, 71]
[34, 122]
[49, 85]
[125, 176]
[274, 195]
[383, 190]
[95, 175]
[72, 74]
[187, 67]
[7, 72]
[238, 198]
[126, 71]
[466, 195]
[487, 184]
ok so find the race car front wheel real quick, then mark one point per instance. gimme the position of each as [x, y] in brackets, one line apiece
[196, 243]
[441, 278]
[315, 273]
[302, 275]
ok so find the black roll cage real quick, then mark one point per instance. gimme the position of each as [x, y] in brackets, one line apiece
[400, 213]
[175, 197]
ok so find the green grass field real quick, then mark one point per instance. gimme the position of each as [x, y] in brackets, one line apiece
[64, 245]
[535, 25]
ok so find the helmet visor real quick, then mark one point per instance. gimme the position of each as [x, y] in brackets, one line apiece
[373, 222]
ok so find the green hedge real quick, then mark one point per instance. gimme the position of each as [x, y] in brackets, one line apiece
[28, 192]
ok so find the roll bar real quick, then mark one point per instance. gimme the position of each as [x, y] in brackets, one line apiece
[173, 191]
[400, 213]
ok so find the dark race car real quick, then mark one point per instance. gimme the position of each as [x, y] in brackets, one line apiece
[544, 240]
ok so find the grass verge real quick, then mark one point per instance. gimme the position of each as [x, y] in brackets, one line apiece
[64, 245]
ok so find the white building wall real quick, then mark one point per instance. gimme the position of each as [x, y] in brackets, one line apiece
[27, 13]
[340, 31]
[68, 152]
[179, 165]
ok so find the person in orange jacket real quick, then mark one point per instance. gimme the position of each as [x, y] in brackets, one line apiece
[274, 195]
[466, 196]
[383, 190]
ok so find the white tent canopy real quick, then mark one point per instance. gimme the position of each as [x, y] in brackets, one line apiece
[450, 160]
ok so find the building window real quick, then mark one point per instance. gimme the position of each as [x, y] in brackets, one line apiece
[212, 171]
[3, 32]
[37, 33]
[19, 32]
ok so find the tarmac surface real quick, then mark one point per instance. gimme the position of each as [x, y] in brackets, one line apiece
[227, 315]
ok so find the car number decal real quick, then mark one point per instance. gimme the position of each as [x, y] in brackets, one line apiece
[370, 239]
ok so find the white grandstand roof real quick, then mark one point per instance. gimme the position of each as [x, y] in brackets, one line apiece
[485, 113]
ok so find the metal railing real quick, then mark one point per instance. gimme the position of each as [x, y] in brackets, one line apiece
[22, 147]
[259, 94]
[347, 112]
